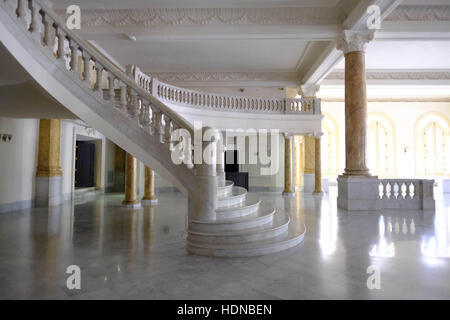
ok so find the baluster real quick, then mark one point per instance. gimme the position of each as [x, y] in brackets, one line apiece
[19, 8]
[86, 64]
[416, 187]
[99, 75]
[123, 96]
[57, 41]
[111, 92]
[167, 128]
[29, 16]
[156, 121]
[73, 55]
[133, 103]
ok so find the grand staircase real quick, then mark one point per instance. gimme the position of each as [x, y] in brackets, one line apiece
[223, 220]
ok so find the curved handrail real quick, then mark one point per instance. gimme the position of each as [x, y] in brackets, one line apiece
[85, 47]
[76, 56]
[223, 102]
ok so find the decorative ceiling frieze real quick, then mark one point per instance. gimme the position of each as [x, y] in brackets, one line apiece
[225, 76]
[396, 75]
[163, 17]
[420, 13]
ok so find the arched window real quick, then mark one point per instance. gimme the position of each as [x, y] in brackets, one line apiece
[329, 146]
[432, 145]
[381, 146]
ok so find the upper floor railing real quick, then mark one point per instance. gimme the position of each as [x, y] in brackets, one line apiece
[222, 102]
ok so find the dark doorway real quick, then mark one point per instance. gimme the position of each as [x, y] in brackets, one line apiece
[85, 164]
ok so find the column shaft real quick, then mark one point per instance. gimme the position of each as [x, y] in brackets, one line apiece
[288, 189]
[355, 114]
[149, 188]
[318, 167]
[130, 182]
[48, 187]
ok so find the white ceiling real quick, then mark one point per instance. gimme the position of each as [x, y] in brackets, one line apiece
[214, 55]
[300, 48]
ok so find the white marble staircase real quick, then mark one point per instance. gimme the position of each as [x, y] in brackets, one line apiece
[223, 220]
[244, 226]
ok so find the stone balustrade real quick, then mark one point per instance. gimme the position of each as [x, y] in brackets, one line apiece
[99, 76]
[221, 102]
[406, 194]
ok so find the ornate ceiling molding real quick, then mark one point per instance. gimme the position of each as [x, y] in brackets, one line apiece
[225, 76]
[158, 17]
[394, 99]
[398, 75]
[420, 13]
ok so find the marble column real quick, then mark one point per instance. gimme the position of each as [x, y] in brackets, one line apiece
[149, 197]
[49, 174]
[130, 200]
[288, 186]
[308, 173]
[317, 167]
[357, 190]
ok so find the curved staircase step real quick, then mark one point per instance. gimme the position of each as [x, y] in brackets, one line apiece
[248, 206]
[237, 196]
[290, 239]
[278, 227]
[225, 188]
[263, 216]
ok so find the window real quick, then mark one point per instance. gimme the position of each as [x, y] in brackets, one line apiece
[381, 146]
[432, 145]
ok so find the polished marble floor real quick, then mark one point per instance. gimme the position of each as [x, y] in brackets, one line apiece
[125, 254]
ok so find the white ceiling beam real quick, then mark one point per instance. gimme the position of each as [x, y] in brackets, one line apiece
[356, 20]
[190, 33]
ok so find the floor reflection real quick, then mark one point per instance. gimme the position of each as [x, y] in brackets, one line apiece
[141, 253]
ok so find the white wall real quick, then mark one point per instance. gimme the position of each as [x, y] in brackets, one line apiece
[404, 116]
[18, 160]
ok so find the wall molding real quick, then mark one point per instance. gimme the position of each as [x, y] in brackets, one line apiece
[224, 76]
[396, 75]
[158, 17]
[394, 99]
[420, 13]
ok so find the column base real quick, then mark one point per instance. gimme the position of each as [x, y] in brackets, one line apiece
[319, 194]
[308, 182]
[149, 202]
[358, 193]
[288, 194]
[48, 192]
[131, 204]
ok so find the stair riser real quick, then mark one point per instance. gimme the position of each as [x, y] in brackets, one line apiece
[241, 253]
[231, 201]
[224, 191]
[242, 212]
[245, 238]
[218, 227]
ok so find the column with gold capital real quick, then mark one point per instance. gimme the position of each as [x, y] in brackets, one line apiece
[48, 188]
[288, 185]
[149, 197]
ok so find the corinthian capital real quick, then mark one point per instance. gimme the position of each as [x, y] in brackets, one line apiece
[352, 40]
[309, 91]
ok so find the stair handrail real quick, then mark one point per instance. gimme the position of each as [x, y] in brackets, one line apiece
[26, 7]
